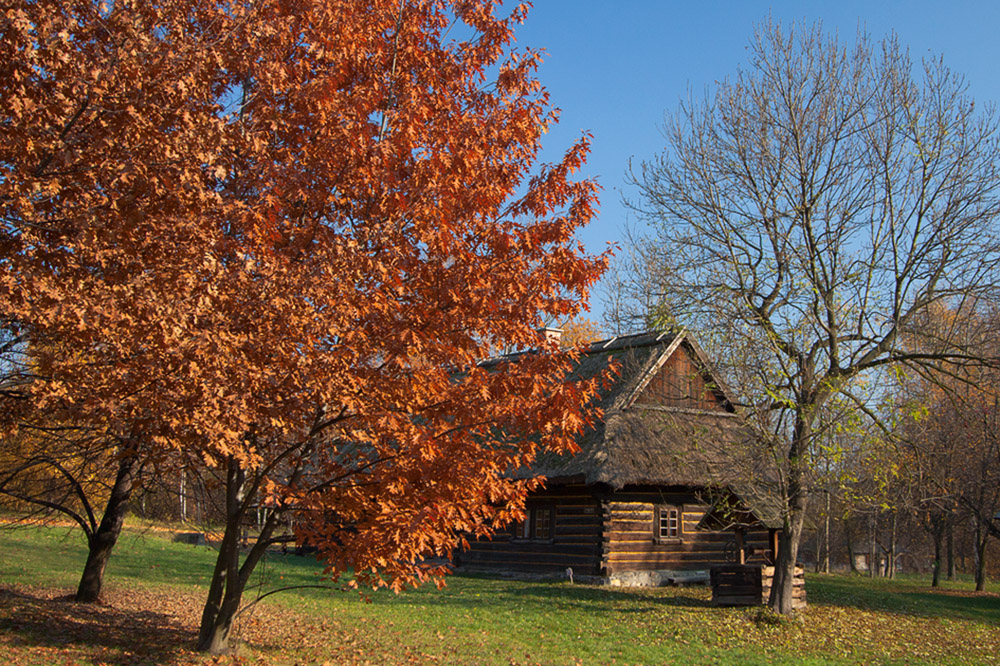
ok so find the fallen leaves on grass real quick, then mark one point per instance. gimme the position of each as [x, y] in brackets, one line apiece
[151, 624]
[146, 625]
[136, 626]
[46, 626]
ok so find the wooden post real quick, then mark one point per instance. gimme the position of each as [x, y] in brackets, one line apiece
[742, 556]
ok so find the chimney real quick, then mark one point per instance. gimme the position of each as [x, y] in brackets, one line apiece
[552, 335]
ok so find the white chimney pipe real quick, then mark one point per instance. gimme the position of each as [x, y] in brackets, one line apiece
[552, 334]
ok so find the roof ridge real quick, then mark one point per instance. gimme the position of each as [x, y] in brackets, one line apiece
[631, 340]
[683, 410]
[614, 343]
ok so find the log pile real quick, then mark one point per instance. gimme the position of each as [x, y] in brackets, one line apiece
[798, 586]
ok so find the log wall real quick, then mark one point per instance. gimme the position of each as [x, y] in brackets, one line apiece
[602, 533]
[575, 538]
[629, 542]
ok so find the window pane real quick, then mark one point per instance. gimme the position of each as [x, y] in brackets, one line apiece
[543, 523]
[669, 522]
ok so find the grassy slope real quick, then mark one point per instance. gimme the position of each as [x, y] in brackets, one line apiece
[156, 587]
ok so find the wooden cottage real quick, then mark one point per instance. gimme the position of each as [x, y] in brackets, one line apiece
[633, 500]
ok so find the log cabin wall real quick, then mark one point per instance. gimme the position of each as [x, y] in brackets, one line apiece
[631, 543]
[574, 539]
[680, 383]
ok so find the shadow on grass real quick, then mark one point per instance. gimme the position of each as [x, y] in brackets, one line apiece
[611, 597]
[906, 596]
[474, 591]
[951, 604]
[97, 633]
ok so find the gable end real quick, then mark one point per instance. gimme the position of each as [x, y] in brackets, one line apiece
[681, 382]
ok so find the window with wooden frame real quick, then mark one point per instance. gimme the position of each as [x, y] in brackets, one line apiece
[537, 524]
[542, 522]
[521, 529]
[667, 524]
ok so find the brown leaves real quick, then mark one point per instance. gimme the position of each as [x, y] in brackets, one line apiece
[124, 631]
[288, 231]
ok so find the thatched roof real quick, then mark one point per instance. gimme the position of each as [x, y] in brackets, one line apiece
[746, 505]
[645, 444]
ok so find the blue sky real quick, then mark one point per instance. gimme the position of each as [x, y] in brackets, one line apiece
[614, 66]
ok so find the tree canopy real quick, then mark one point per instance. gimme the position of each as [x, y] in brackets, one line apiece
[279, 236]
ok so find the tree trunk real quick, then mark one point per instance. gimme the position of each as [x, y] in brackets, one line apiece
[780, 600]
[963, 555]
[850, 549]
[982, 538]
[182, 496]
[951, 547]
[819, 551]
[103, 540]
[230, 578]
[890, 564]
[873, 563]
[938, 533]
[826, 536]
[217, 615]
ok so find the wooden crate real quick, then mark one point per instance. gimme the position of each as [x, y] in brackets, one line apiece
[750, 585]
[736, 585]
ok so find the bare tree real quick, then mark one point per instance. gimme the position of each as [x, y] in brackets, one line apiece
[971, 422]
[981, 480]
[804, 214]
[947, 434]
[52, 466]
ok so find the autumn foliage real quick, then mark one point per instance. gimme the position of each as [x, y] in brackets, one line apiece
[277, 237]
[580, 331]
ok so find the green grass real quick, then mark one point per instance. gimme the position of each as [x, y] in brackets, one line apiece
[155, 586]
[912, 595]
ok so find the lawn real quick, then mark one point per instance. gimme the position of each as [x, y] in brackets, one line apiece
[155, 588]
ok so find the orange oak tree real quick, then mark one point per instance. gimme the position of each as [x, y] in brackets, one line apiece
[277, 237]
[103, 192]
